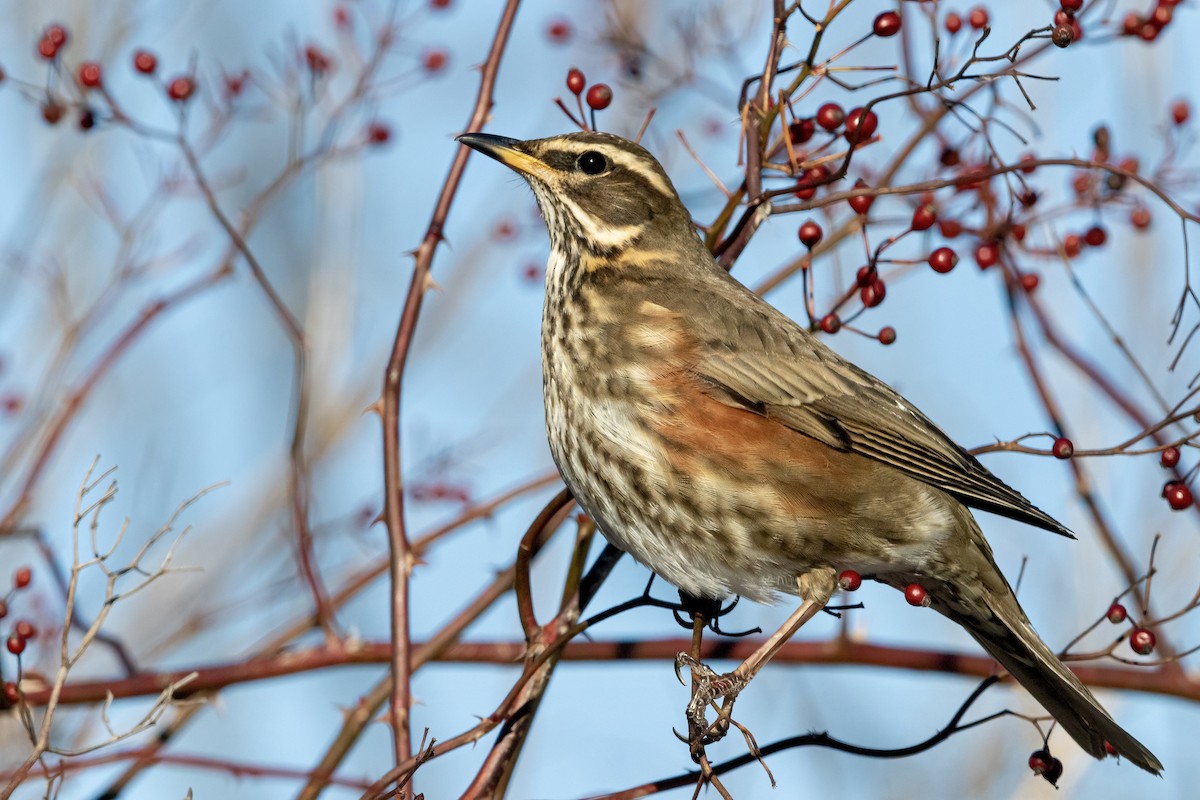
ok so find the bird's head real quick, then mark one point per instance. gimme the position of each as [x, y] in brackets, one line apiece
[595, 189]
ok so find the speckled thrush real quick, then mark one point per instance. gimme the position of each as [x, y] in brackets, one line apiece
[727, 449]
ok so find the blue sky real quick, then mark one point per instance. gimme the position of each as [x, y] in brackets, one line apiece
[203, 399]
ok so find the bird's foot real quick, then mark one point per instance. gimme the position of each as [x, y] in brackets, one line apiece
[708, 686]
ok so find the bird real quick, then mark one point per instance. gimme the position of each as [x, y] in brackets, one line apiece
[730, 451]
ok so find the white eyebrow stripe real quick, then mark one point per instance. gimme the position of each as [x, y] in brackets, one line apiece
[621, 158]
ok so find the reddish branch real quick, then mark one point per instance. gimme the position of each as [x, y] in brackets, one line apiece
[233, 767]
[389, 405]
[839, 650]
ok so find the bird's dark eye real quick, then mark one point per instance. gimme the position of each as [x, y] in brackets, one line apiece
[592, 163]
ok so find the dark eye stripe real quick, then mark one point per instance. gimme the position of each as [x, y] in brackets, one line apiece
[620, 161]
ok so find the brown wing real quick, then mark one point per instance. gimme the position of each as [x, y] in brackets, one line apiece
[754, 357]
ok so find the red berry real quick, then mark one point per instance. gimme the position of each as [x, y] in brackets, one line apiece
[1072, 245]
[865, 276]
[830, 116]
[861, 203]
[887, 335]
[439, 4]
[1063, 449]
[378, 133]
[87, 119]
[559, 31]
[1081, 183]
[810, 233]
[505, 230]
[47, 49]
[51, 112]
[943, 260]
[808, 183]
[11, 694]
[950, 228]
[849, 580]
[1141, 640]
[887, 24]
[924, 217]
[1046, 765]
[1170, 457]
[802, 130]
[89, 74]
[318, 61]
[1030, 281]
[916, 595]
[25, 629]
[831, 323]
[1071, 5]
[1062, 35]
[1028, 163]
[22, 577]
[1180, 111]
[1132, 24]
[953, 23]
[16, 645]
[575, 81]
[978, 18]
[1095, 236]
[181, 89]
[1140, 218]
[986, 254]
[1116, 614]
[145, 62]
[434, 60]
[873, 294]
[55, 34]
[599, 97]
[1178, 495]
[3, 608]
[860, 125]
[1017, 231]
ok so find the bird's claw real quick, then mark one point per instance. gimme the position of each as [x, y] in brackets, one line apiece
[708, 687]
[698, 670]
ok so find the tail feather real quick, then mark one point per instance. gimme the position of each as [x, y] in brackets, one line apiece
[1007, 635]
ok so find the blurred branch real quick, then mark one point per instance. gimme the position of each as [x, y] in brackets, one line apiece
[834, 651]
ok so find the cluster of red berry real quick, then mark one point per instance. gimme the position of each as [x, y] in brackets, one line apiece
[1148, 27]
[22, 630]
[978, 18]
[599, 95]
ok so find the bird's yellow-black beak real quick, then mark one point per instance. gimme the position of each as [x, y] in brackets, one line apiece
[507, 151]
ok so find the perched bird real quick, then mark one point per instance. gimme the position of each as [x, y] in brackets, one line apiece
[730, 451]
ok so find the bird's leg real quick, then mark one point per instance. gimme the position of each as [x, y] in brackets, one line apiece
[816, 587]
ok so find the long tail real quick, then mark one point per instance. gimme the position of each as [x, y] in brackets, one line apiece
[991, 614]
